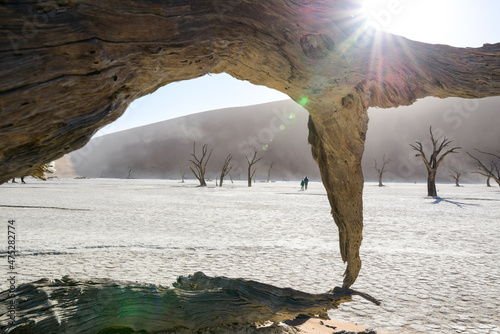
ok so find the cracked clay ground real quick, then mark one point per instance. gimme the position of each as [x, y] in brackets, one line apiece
[434, 263]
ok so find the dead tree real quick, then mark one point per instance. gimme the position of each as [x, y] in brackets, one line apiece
[492, 172]
[201, 303]
[199, 164]
[455, 175]
[182, 174]
[226, 168]
[130, 172]
[433, 163]
[250, 164]
[270, 164]
[381, 170]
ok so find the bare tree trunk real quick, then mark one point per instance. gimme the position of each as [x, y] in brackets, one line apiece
[381, 170]
[488, 181]
[226, 168]
[431, 183]
[182, 174]
[130, 172]
[337, 146]
[201, 303]
[492, 172]
[456, 176]
[199, 165]
[434, 161]
[270, 164]
[249, 175]
[250, 164]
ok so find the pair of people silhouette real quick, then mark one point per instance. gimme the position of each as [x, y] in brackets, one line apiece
[304, 183]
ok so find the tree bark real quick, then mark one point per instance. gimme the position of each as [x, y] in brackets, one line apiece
[252, 162]
[432, 164]
[249, 176]
[200, 164]
[270, 164]
[88, 60]
[226, 168]
[431, 183]
[197, 303]
[337, 143]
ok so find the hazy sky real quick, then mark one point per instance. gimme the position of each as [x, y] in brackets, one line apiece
[453, 22]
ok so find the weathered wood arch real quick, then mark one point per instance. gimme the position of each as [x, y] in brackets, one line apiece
[69, 67]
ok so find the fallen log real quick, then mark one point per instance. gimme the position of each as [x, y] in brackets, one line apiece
[196, 302]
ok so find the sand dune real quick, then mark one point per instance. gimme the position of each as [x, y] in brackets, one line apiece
[278, 131]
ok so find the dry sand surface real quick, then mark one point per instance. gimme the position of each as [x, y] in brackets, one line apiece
[316, 326]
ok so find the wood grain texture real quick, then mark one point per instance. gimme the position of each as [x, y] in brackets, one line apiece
[193, 303]
[70, 67]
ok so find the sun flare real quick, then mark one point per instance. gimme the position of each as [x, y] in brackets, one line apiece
[379, 13]
[372, 5]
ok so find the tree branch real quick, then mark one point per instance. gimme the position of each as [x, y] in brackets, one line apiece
[420, 149]
[487, 153]
[375, 166]
[445, 154]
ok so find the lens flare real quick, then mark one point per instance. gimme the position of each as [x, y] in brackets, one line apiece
[303, 101]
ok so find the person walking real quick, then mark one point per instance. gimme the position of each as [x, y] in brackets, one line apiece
[306, 181]
[302, 185]
[22, 180]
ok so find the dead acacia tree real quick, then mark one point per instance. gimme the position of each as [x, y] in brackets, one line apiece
[270, 164]
[226, 168]
[492, 172]
[488, 179]
[199, 164]
[434, 161]
[250, 164]
[455, 175]
[130, 172]
[182, 174]
[381, 170]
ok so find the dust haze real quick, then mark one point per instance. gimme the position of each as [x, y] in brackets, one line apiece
[468, 123]
[278, 131]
